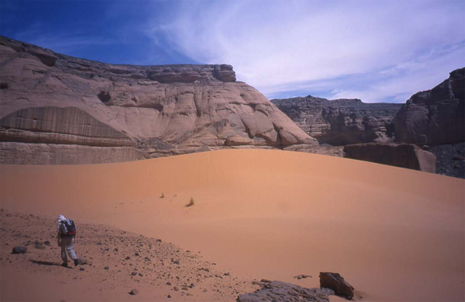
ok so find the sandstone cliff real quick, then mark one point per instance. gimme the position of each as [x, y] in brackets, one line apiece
[436, 116]
[57, 109]
[342, 121]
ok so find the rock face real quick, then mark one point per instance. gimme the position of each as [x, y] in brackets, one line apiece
[335, 282]
[342, 121]
[285, 292]
[436, 116]
[400, 155]
[58, 109]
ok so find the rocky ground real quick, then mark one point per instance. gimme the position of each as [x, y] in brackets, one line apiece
[450, 159]
[117, 261]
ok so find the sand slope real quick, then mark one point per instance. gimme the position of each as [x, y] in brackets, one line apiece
[394, 234]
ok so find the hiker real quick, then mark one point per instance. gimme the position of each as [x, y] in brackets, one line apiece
[66, 233]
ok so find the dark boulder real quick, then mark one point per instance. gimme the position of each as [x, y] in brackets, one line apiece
[82, 261]
[19, 250]
[336, 282]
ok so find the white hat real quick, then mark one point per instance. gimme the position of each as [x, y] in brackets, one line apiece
[61, 218]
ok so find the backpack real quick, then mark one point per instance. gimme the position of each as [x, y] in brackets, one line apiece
[71, 227]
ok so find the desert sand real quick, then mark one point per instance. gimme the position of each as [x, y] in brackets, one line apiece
[392, 233]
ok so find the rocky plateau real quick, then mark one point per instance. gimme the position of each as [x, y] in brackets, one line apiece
[342, 121]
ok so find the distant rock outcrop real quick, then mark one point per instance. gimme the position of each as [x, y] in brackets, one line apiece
[436, 116]
[57, 109]
[400, 155]
[342, 121]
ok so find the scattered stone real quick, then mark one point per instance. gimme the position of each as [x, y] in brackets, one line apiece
[336, 282]
[39, 245]
[134, 292]
[106, 267]
[19, 250]
[82, 261]
[265, 281]
[47, 243]
[191, 203]
[176, 289]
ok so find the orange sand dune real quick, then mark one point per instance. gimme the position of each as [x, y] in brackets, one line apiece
[394, 234]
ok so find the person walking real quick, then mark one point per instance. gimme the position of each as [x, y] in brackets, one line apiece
[65, 239]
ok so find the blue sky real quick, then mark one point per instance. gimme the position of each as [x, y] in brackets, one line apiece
[378, 51]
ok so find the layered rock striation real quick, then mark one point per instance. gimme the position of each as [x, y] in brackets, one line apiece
[342, 121]
[53, 105]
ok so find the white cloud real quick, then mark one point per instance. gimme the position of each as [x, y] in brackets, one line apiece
[294, 45]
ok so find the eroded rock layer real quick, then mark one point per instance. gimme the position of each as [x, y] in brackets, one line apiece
[52, 99]
[342, 121]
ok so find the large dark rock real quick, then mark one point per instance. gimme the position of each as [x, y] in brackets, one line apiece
[19, 250]
[342, 121]
[335, 282]
[57, 109]
[278, 291]
[435, 116]
[400, 155]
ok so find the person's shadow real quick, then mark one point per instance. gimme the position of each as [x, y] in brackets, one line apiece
[47, 263]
